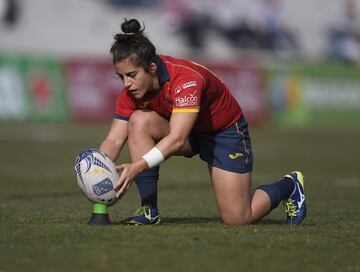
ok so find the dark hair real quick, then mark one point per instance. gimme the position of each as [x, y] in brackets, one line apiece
[133, 42]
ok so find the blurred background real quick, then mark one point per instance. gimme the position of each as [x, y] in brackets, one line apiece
[289, 63]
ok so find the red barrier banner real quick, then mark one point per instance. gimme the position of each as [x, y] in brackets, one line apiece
[93, 89]
[246, 81]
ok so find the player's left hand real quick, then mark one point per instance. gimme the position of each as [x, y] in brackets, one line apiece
[128, 173]
[125, 179]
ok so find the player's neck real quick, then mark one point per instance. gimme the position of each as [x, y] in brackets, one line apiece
[156, 85]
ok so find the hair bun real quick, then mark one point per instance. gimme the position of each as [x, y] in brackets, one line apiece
[131, 26]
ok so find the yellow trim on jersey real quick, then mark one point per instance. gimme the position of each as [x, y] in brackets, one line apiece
[185, 110]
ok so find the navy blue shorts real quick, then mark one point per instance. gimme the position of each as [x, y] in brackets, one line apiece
[229, 149]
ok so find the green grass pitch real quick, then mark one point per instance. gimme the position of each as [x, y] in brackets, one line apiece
[43, 215]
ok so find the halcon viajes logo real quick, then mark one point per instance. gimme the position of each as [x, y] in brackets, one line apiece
[187, 100]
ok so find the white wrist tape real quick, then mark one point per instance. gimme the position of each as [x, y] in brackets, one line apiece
[153, 157]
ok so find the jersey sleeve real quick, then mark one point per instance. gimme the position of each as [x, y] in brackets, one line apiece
[186, 94]
[124, 106]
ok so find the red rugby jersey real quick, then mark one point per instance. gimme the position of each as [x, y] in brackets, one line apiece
[186, 87]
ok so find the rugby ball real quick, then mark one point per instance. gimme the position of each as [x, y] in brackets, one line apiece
[96, 176]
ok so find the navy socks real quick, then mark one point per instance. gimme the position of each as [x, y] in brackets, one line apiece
[146, 183]
[147, 186]
[279, 191]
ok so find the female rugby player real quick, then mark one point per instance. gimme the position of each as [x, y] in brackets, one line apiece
[172, 106]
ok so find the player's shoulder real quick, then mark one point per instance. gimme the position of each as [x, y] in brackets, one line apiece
[173, 63]
[181, 69]
[171, 59]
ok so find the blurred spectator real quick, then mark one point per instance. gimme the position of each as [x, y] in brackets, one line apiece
[186, 20]
[232, 19]
[275, 34]
[246, 24]
[344, 34]
[133, 3]
[9, 11]
[258, 24]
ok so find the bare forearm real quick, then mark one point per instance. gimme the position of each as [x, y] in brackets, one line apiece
[181, 125]
[112, 148]
[170, 145]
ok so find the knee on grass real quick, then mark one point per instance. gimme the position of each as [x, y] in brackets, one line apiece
[235, 219]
